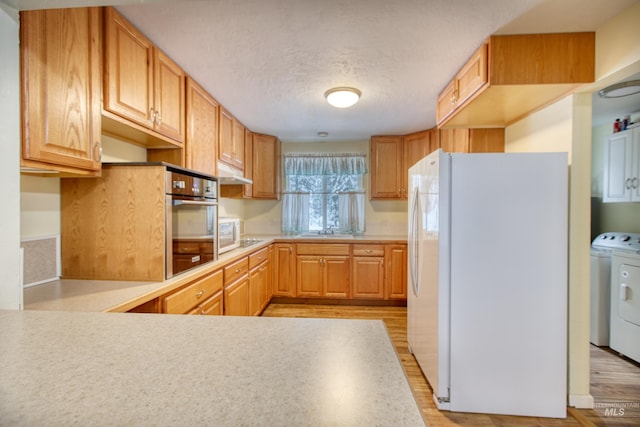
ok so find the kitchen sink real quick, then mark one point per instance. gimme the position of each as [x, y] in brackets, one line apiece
[325, 236]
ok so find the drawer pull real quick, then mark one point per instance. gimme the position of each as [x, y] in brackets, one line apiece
[237, 270]
[199, 294]
[368, 251]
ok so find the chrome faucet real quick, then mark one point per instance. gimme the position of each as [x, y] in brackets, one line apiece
[325, 232]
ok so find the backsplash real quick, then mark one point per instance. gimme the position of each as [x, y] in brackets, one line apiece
[41, 260]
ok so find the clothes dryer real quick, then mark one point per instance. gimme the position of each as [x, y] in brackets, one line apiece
[625, 304]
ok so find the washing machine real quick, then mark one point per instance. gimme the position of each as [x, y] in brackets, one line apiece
[602, 249]
[624, 330]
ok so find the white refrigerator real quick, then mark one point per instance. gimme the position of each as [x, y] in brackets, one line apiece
[487, 297]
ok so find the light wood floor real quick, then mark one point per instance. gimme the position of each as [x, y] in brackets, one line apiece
[613, 379]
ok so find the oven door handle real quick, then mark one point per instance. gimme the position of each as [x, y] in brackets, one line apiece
[192, 202]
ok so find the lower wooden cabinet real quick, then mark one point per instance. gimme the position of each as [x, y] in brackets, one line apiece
[194, 297]
[212, 306]
[236, 288]
[395, 272]
[236, 298]
[368, 272]
[322, 270]
[284, 270]
[258, 284]
[245, 286]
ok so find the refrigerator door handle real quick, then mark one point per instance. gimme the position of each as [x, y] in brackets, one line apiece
[414, 231]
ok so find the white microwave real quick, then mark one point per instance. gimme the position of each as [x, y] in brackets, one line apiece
[228, 234]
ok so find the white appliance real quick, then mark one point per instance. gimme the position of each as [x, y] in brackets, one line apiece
[625, 304]
[228, 234]
[487, 304]
[602, 248]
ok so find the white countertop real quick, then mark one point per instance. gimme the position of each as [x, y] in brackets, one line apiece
[107, 295]
[59, 368]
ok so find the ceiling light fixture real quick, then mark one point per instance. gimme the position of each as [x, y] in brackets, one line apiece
[342, 97]
[621, 89]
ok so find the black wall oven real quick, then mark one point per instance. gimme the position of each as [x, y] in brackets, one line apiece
[191, 221]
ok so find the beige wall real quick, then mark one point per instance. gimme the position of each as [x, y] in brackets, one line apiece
[566, 126]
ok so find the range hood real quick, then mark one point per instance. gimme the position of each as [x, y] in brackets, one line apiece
[231, 176]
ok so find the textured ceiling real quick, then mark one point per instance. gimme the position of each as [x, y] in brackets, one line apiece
[270, 61]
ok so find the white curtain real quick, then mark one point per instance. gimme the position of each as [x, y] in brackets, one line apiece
[295, 213]
[351, 210]
[324, 190]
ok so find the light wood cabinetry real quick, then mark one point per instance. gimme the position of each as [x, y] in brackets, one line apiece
[200, 151]
[387, 168]
[266, 166]
[236, 298]
[236, 288]
[461, 140]
[113, 227]
[61, 90]
[213, 306]
[392, 156]
[262, 166]
[203, 296]
[471, 78]
[368, 271]
[284, 270]
[511, 76]
[259, 277]
[322, 270]
[622, 167]
[247, 189]
[231, 140]
[202, 130]
[395, 278]
[142, 85]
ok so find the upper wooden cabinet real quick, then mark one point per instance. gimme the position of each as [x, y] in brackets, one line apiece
[392, 156]
[202, 130]
[509, 77]
[231, 140]
[141, 84]
[461, 140]
[61, 89]
[387, 168]
[266, 166]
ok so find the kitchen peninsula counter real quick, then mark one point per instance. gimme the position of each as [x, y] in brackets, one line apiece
[121, 296]
[63, 368]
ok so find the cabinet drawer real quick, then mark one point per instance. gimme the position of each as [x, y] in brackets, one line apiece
[258, 257]
[368, 250]
[233, 272]
[212, 306]
[322, 249]
[186, 298]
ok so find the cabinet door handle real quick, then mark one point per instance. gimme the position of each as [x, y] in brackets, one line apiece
[97, 152]
[158, 118]
[152, 115]
[634, 182]
[199, 294]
